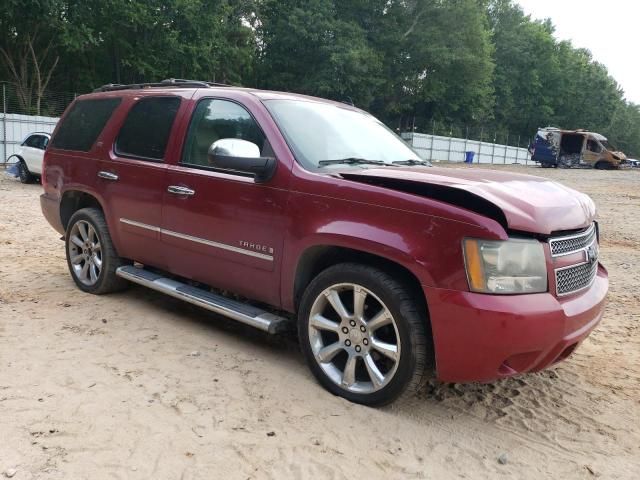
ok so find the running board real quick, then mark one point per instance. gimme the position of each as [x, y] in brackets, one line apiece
[242, 312]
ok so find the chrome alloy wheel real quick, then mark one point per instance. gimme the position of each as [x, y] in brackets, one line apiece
[354, 338]
[85, 252]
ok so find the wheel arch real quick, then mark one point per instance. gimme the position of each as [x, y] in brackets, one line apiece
[603, 164]
[317, 258]
[72, 201]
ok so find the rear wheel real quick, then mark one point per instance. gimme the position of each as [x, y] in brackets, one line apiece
[24, 173]
[91, 256]
[363, 335]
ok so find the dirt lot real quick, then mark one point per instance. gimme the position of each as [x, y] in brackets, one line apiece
[137, 385]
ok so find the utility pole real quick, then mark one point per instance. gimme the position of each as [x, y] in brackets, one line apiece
[4, 123]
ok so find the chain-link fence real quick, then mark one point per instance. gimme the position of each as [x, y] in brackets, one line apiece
[440, 141]
[483, 133]
[26, 101]
[437, 148]
[24, 112]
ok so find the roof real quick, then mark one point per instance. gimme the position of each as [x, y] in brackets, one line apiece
[595, 135]
[172, 85]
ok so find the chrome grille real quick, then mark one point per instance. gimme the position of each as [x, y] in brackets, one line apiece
[572, 243]
[576, 277]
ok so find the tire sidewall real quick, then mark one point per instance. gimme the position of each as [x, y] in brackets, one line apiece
[23, 172]
[85, 216]
[407, 364]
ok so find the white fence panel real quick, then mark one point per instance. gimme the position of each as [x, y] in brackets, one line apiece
[14, 128]
[448, 149]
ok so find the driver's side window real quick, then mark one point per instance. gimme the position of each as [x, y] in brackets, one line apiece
[33, 141]
[593, 146]
[214, 120]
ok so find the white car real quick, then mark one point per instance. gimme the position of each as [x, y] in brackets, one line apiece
[30, 155]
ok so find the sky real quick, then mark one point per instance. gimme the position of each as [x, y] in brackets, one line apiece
[610, 29]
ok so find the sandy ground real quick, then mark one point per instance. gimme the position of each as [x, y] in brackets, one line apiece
[137, 385]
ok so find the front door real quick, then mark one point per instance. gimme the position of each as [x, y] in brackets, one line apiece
[592, 151]
[223, 228]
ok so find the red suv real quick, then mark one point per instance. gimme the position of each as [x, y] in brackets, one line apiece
[277, 209]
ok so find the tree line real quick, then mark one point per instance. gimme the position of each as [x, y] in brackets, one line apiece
[412, 63]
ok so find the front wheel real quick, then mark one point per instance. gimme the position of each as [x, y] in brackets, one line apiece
[363, 335]
[603, 165]
[91, 256]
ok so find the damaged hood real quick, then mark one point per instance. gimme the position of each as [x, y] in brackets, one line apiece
[528, 203]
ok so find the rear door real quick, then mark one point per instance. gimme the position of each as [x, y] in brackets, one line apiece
[132, 176]
[77, 144]
[222, 228]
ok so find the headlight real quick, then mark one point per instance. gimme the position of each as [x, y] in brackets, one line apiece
[511, 266]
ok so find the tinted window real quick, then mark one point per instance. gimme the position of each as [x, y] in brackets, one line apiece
[217, 119]
[33, 141]
[145, 132]
[84, 122]
[40, 142]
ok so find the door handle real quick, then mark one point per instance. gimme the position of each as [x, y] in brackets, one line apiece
[108, 176]
[178, 190]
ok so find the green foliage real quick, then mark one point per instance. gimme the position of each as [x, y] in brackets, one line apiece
[540, 81]
[433, 64]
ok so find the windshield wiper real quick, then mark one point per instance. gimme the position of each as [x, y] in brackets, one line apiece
[411, 161]
[351, 161]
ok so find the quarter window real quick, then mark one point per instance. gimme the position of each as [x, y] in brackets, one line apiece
[217, 119]
[83, 124]
[145, 132]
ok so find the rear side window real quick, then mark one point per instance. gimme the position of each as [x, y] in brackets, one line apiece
[82, 125]
[145, 131]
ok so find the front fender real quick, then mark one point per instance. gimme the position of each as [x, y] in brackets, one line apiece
[430, 247]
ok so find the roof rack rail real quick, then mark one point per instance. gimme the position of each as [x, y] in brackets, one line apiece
[174, 81]
[167, 83]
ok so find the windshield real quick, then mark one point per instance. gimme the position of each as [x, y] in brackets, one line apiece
[606, 145]
[322, 134]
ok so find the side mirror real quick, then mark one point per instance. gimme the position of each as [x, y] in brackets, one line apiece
[241, 156]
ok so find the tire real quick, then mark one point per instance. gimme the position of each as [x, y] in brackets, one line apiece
[91, 257]
[602, 165]
[351, 336]
[23, 172]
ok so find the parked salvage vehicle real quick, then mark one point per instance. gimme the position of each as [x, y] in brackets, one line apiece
[29, 157]
[286, 211]
[633, 163]
[554, 147]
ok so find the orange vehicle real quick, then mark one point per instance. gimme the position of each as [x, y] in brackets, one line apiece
[553, 147]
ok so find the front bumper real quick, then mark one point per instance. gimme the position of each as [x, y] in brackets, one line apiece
[479, 337]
